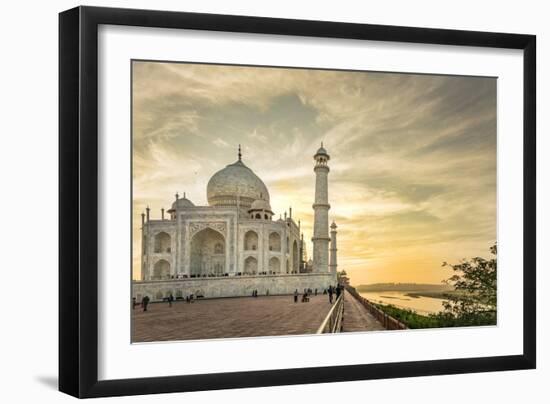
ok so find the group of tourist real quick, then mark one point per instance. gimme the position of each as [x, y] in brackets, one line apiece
[221, 275]
[305, 295]
[331, 291]
[169, 299]
[255, 292]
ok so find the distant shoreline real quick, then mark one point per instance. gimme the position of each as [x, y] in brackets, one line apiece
[434, 295]
[443, 295]
[417, 288]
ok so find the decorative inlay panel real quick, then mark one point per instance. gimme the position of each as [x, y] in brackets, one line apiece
[195, 227]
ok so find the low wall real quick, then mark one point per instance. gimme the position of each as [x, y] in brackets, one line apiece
[387, 321]
[232, 286]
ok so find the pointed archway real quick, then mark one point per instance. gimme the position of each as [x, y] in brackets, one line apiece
[207, 253]
[161, 270]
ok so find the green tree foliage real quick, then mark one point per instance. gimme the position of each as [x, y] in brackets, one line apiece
[475, 280]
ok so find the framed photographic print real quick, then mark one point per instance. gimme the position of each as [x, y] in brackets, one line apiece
[251, 201]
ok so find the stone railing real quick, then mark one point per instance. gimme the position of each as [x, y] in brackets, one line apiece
[387, 321]
[334, 320]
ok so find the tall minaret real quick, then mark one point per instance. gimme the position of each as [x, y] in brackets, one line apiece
[333, 257]
[320, 207]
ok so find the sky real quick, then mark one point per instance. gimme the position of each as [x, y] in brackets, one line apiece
[412, 178]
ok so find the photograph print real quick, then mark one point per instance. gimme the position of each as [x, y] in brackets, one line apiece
[277, 201]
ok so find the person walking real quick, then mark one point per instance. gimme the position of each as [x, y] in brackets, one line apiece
[338, 291]
[330, 294]
[145, 302]
[296, 296]
[170, 299]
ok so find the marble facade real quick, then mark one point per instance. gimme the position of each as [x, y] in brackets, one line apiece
[234, 243]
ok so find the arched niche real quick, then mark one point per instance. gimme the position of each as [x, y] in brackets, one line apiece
[162, 242]
[161, 270]
[274, 242]
[251, 240]
[274, 265]
[208, 253]
[250, 266]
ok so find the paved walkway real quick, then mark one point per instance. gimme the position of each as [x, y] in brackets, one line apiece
[357, 317]
[228, 318]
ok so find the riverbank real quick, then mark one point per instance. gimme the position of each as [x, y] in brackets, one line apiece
[414, 320]
[435, 295]
[420, 304]
[424, 310]
[410, 318]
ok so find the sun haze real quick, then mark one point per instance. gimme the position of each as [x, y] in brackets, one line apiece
[412, 178]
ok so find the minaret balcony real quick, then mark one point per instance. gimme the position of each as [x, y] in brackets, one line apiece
[321, 167]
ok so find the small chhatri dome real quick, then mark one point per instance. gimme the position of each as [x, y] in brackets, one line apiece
[260, 204]
[333, 225]
[182, 203]
[321, 152]
[235, 184]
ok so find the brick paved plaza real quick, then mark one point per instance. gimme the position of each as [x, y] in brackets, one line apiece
[229, 317]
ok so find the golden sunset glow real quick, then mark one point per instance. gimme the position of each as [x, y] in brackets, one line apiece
[412, 178]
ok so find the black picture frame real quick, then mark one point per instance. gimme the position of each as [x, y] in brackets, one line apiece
[78, 200]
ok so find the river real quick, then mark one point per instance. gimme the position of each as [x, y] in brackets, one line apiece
[422, 305]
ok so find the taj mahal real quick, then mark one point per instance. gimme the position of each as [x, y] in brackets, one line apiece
[236, 244]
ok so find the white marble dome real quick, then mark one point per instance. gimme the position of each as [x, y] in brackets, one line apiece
[235, 180]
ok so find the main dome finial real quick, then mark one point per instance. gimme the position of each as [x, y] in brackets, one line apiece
[240, 154]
